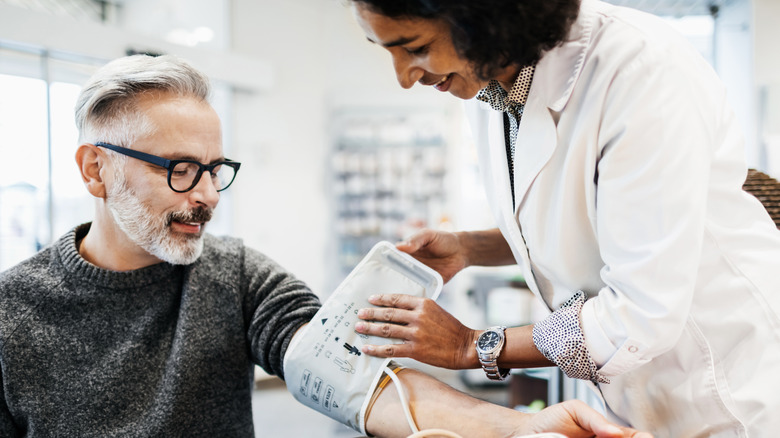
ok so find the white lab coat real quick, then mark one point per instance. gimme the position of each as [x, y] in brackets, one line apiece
[628, 173]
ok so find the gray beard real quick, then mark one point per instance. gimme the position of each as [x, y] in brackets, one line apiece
[150, 230]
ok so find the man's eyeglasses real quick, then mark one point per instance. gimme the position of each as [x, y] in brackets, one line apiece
[183, 175]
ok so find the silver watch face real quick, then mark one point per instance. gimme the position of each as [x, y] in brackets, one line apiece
[488, 341]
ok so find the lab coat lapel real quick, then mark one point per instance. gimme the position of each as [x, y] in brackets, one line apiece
[536, 142]
[554, 80]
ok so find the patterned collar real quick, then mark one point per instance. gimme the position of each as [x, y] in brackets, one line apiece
[498, 99]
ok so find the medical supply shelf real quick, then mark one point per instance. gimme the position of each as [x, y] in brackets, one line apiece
[387, 173]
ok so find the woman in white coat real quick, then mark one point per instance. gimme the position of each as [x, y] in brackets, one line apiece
[613, 167]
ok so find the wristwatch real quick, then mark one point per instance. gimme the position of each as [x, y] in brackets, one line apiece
[489, 345]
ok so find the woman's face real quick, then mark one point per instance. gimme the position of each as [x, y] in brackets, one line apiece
[423, 52]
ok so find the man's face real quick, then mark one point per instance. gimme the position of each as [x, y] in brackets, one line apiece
[166, 224]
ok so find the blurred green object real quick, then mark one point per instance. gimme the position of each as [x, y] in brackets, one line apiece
[532, 408]
[536, 405]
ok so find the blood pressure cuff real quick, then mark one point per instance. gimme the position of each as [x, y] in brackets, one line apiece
[324, 367]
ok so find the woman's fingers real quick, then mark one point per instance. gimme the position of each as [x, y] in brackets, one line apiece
[395, 331]
[389, 350]
[417, 241]
[400, 301]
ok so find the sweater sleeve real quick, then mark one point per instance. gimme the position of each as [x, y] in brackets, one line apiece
[278, 305]
[7, 428]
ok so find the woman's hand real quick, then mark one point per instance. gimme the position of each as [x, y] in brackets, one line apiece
[440, 250]
[575, 419]
[429, 333]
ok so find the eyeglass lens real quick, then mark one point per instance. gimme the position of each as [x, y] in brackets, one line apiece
[183, 176]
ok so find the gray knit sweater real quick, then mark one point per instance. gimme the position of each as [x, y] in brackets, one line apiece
[163, 351]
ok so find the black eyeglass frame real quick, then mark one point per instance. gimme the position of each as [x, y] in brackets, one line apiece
[170, 164]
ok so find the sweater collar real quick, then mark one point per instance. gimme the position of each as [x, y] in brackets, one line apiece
[66, 249]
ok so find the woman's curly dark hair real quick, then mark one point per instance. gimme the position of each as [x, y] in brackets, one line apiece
[492, 34]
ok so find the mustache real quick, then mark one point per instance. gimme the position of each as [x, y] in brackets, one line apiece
[199, 214]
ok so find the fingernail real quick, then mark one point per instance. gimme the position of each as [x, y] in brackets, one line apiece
[373, 298]
[360, 326]
[368, 349]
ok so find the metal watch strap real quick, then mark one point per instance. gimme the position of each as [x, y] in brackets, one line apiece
[489, 362]
[492, 370]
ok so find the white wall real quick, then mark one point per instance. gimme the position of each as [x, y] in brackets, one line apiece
[766, 15]
[766, 34]
[733, 60]
[748, 61]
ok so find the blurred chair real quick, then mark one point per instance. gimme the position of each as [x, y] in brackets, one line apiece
[767, 190]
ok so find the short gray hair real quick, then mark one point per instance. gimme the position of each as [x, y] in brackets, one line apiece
[105, 109]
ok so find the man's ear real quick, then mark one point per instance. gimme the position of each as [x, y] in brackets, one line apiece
[91, 161]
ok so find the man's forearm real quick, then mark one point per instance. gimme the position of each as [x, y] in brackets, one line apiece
[486, 248]
[435, 405]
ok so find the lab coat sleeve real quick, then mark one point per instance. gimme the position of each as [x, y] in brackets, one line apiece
[658, 130]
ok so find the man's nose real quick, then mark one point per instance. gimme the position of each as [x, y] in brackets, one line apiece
[205, 191]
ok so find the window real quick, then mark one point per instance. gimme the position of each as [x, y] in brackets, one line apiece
[22, 188]
[37, 145]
